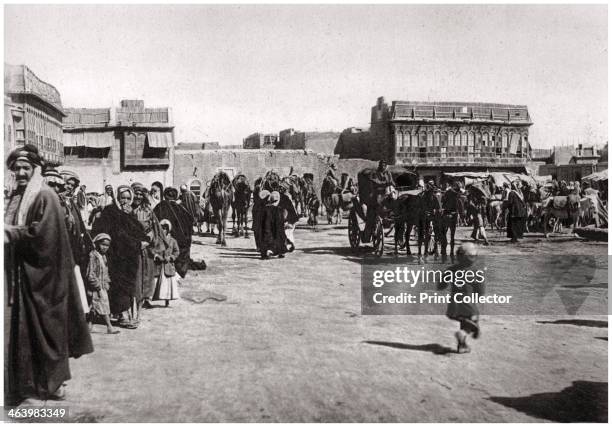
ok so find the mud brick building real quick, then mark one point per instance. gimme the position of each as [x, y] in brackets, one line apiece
[260, 140]
[437, 137]
[32, 114]
[121, 145]
[319, 142]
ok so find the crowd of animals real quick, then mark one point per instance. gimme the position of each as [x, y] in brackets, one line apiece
[402, 212]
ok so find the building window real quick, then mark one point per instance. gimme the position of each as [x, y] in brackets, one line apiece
[437, 139]
[423, 139]
[430, 139]
[444, 139]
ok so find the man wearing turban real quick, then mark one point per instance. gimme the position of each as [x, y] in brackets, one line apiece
[44, 322]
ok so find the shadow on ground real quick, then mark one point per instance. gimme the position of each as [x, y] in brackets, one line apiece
[583, 401]
[431, 348]
[576, 322]
[594, 285]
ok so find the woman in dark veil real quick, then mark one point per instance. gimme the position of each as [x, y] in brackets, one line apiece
[124, 256]
[182, 226]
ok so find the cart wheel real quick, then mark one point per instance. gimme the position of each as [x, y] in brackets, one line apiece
[353, 230]
[378, 238]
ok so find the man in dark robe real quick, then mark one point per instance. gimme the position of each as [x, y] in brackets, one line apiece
[44, 322]
[260, 199]
[124, 256]
[190, 202]
[517, 214]
[80, 240]
[182, 227]
[273, 237]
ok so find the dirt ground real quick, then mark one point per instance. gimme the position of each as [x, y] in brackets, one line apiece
[289, 344]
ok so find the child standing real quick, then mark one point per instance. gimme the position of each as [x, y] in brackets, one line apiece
[167, 278]
[98, 282]
[466, 313]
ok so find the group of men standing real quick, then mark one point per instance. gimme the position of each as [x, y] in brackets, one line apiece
[47, 251]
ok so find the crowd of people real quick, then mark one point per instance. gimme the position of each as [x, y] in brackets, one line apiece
[68, 267]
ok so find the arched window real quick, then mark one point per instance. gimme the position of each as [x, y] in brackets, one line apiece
[470, 139]
[437, 139]
[430, 139]
[485, 139]
[423, 139]
[464, 139]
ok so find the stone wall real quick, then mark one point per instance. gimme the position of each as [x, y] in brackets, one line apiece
[202, 165]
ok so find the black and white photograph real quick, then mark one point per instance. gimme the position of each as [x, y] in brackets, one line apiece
[305, 213]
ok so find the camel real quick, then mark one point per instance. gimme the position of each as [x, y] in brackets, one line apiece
[311, 201]
[240, 205]
[294, 185]
[221, 195]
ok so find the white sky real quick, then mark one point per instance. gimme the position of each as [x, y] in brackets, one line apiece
[228, 71]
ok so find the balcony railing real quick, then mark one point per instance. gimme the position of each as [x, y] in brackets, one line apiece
[457, 158]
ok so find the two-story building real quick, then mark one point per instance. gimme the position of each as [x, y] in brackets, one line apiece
[119, 145]
[437, 137]
[32, 114]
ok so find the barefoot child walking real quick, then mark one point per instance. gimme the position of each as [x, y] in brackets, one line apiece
[98, 282]
[466, 313]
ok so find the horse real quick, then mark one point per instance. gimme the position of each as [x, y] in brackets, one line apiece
[559, 208]
[496, 213]
[294, 185]
[221, 196]
[408, 214]
[534, 209]
[240, 205]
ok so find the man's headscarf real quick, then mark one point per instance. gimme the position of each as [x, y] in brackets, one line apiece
[122, 189]
[101, 236]
[137, 186]
[52, 175]
[28, 153]
[68, 175]
[171, 193]
[166, 223]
